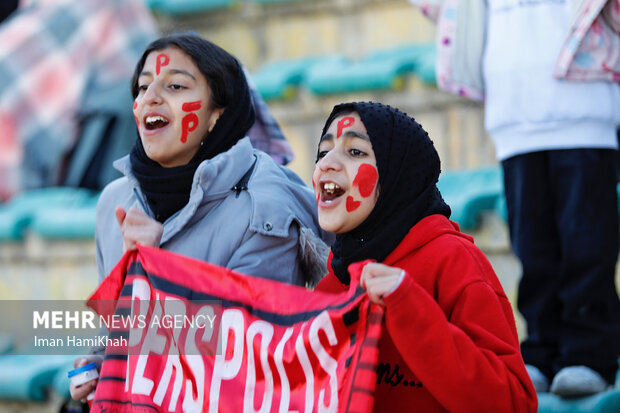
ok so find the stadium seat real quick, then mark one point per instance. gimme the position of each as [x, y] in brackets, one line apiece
[607, 402]
[381, 70]
[279, 79]
[60, 382]
[425, 68]
[17, 214]
[66, 223]
[29, 378]
[470, 192]
[180, 7]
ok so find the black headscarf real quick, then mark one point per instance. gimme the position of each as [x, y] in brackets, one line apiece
[167, 189]
[408, 167]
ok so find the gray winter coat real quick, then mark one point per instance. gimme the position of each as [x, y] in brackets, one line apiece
[254, 230]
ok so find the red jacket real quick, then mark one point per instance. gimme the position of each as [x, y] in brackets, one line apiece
[451, 342]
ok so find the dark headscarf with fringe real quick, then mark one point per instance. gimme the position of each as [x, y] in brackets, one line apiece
[167, 189]
[408, 167]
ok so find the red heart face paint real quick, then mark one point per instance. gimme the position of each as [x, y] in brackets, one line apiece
[366, 179]
[352, 204]
[162, 60]
[344, 123]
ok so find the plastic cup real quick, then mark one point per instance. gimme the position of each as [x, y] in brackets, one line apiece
[83, 375]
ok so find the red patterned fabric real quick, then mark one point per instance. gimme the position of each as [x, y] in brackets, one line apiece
[309, 351]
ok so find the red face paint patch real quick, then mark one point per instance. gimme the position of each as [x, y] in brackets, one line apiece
[135, 106]
[188, 123]
[352, 204]
[366, 179]
[162, 60]
[344, 123]
[318, 196]
[191, 106]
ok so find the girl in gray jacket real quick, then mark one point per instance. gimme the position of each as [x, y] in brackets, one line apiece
[193, 183]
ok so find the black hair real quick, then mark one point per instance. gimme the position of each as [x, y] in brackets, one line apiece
[219, 67]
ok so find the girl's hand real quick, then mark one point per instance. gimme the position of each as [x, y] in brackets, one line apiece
[80, 392]
[380, 280]
[137, 227]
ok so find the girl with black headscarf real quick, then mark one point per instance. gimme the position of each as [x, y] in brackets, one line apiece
[449, 341]
[193, 182]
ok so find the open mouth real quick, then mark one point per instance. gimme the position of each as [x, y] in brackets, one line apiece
[155, 122]
[330, 191]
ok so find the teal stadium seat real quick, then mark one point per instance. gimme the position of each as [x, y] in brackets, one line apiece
[19, 213]
[280, 79]
[60, 382]
[29, 378]
[607, 402]
[469, 192]
[381, 70]
[180, 7]
[77, 222]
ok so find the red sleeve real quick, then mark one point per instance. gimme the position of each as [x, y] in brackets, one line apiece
[469, 358]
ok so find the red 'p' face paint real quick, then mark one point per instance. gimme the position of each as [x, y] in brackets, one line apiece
[162, 60]
[352, 204]
[188, 123]
[344, 123]
[366, 179]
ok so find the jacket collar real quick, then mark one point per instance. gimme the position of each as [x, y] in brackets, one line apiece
[228, 167]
